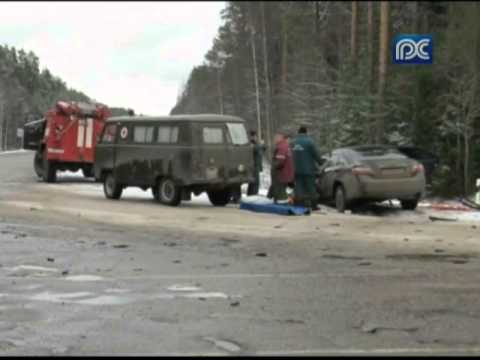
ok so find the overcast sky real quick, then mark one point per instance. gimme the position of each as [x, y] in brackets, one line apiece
[129, 54]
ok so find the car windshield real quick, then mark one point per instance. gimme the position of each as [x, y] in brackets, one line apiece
[237, 133]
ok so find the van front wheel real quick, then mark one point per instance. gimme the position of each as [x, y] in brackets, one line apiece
[219, 197]
[169, 193]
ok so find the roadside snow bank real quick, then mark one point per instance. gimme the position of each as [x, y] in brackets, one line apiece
[20, 151]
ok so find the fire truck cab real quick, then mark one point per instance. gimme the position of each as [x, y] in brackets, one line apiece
[65, 139]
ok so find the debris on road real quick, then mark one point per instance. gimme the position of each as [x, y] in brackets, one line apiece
[65, 272]
[235, 304]
[438, 218]
[261, 254]
[341, 257]
[50, 259]
[224, 344]
[374, 328]
[121, 246]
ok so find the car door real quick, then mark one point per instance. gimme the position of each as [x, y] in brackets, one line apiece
[213, 151]
[105, 150]
[326, 178]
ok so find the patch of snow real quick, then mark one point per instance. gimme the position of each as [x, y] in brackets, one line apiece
[71, 174]
[33, 268]
[206, 295]
[76, 298]
[117, 291]
[104, 300]
[257, 199]
[84, 278]
[472, 216]
[193, 295]
[59, 297]
[183, 288]
[20, 151]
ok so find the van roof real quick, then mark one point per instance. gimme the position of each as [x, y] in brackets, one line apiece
[186, 117]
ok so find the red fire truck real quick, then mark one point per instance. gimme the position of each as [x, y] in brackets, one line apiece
[65, 139]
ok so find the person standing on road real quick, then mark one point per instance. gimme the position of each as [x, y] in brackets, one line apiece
[282, 171]
[305, 156]
[258, 150]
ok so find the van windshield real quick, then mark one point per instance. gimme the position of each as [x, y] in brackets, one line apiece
[238, 134]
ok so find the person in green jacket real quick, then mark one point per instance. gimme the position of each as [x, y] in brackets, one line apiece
[305, 156]
[258, 150]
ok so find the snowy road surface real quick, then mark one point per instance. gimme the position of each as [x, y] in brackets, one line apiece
[82, 275]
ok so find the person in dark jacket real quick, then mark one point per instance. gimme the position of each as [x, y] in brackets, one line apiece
[282, 171]
[305, 157]
[258, 150]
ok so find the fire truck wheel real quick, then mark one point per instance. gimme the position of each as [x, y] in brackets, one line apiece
[111, 188]
[49, 172]
[155, 193]
[88, 172]
[38, 164]
[169, 193]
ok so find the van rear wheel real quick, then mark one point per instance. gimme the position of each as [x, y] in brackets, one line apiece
[168, 192]
[219, 197]
[111, 188]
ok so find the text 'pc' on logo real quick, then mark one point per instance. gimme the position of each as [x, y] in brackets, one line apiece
[412, 49]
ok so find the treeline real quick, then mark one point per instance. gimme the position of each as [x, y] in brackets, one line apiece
[26, 93]
[329, 65]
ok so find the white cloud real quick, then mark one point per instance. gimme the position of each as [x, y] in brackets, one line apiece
[132, 54]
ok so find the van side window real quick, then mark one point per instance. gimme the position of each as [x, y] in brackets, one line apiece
[143, 134]
[109, 134]
[167, 134]
[212, 135]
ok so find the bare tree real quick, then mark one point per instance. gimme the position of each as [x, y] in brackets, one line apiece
[353, 31]
[382, 70]
[255, 71]
[267, 78]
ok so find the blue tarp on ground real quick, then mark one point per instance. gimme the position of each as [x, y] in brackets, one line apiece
[275, 209]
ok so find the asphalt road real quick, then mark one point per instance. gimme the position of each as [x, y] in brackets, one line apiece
[81, 275]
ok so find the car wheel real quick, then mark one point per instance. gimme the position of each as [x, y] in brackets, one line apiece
[38, 164]
[409, 204]
[219, 197]
[169, 193]
[111, 188]
[340, 199]
[49, 173]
